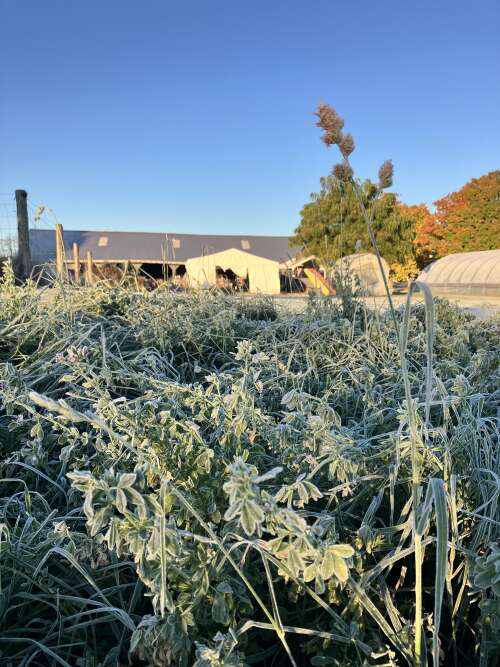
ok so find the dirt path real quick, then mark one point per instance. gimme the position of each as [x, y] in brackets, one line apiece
[480, 306]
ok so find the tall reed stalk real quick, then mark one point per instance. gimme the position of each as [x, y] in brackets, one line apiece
[332, 125]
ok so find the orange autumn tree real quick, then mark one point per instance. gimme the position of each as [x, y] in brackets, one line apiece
[419, 215]
[425, 235]
[466, 220]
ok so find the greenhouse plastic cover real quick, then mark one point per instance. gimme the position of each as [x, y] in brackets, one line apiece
[365, 266]
[465, 273]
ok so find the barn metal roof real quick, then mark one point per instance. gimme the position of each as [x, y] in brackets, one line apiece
[156, 247]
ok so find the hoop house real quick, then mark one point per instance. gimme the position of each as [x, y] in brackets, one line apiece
[476, 273]
[364, 266]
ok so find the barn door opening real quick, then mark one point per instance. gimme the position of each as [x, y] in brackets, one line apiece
[229, 280]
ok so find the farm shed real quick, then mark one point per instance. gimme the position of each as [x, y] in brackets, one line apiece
[475, 273]
[262, 274]
[364, 266]
[259, 258]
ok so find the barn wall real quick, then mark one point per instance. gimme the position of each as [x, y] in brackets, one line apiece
[263, 274]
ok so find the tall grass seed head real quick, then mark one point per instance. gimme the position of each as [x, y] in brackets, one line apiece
[385, 174]
[346, 145]
[330, 122]
[342, 172]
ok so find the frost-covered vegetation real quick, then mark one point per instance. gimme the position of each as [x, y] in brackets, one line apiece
[199, 480]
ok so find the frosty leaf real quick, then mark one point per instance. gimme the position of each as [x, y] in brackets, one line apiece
[232, 511]
[303, 495]
[319, 584]
[343, 550]
[127, 479]
[328, 566]
[224, 587]
[310, 572]
[271, 474]
[251, 517]
[81, 479]
[288, 397]
[340, 568]
[121, 501]
[313, 491]
[219, 609]
[295, 562]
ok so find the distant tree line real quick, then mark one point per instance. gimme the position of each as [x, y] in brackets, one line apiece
[409, 237]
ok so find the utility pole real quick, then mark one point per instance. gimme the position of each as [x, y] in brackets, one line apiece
[23, 263]
[76, 262]
[59, 250]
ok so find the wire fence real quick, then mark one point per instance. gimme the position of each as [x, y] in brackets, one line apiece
[40, 218]
[8, 225]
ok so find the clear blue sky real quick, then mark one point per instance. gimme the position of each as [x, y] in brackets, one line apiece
[197, 115]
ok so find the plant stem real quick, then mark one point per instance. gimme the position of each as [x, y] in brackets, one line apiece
[402, 337]
[357, 192]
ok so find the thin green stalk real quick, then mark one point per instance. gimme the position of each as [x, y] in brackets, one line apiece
[419, 647]
[373, 241]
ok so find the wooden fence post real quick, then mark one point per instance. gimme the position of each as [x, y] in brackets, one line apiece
[59, 250]
[89, 271]
[76, 262]
[23, 262]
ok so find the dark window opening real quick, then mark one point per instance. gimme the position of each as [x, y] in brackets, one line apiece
[174, 274]
[156, 271]
[311, 264]
[290, 283]
[228, 279]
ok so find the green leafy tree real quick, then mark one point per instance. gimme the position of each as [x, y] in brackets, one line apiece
[332, 223]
